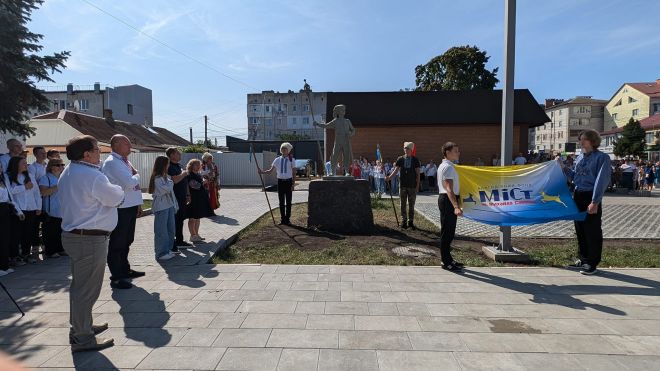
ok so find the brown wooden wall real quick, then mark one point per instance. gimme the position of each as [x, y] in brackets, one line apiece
[474, 141]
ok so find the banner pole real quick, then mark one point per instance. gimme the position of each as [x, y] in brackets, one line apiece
[506, 154]
[264, 187]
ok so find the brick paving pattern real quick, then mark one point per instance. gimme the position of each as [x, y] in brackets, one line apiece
[186, 314]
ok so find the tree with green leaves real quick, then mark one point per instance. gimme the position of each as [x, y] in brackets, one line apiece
[459, 68]
[22, 67]
[631, 143]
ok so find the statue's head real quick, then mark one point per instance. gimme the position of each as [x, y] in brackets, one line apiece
[339, 110]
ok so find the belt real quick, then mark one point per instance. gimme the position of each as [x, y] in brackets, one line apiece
[89, 232]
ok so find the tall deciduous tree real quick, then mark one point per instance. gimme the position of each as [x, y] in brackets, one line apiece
[459, 68]
[21, 67]
[632, 140]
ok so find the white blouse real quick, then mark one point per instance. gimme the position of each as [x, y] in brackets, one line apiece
[26, 199]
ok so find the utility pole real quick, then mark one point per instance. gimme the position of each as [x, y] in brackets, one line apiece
[216, 142]
[206, 130]
[191, 142]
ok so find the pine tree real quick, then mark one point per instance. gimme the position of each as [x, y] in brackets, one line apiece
[632, 140]
[21, 67]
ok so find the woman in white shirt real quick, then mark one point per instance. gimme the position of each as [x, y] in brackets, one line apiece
[7, 210]
[284, 165]
[164, 207]
[25, 193]
[379, 177]
[50, 200]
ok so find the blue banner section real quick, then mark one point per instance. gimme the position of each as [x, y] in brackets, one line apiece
[516, 195]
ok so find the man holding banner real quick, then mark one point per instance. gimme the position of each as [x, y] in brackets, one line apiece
[448, 203]
[591, 177]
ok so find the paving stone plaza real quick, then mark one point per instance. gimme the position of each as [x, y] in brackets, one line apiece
[189, 315]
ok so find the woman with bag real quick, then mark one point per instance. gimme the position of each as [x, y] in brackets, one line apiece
[164, 207]
[52, 225]
[200, 206]
[26, 195]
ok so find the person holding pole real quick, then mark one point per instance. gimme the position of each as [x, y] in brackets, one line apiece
[284, 165]
[591, 177]
[449, 204]
[408, 165]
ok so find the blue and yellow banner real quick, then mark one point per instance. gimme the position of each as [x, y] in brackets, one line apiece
[516, 195]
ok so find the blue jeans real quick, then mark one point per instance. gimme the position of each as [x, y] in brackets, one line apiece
[164, 231]
[380, 185]
[395, 185]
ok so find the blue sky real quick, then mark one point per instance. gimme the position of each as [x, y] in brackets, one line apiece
[564, 48]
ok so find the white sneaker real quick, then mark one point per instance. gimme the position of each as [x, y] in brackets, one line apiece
[4, 273]
[167, 256]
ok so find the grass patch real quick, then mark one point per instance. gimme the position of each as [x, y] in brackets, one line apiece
[264, 243]
[146, 204]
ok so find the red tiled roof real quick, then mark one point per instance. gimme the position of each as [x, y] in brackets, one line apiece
[142, 138]
[652, 89]
[649, 123]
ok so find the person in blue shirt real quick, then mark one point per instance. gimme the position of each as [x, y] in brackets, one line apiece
[590, 176]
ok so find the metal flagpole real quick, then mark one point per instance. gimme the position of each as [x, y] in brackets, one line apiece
[506, 154]
[308, 90]
[392, 199]
[12, 299]
[263, 185]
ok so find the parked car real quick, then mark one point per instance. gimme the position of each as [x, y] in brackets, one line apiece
[304, 168]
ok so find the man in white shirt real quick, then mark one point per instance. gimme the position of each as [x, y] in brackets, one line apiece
[89, 213]
[122, 173]
[38, 168]
[520, 160]
[449, 204]
[15, 148]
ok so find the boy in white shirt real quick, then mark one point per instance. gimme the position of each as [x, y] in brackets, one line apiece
[448, 203]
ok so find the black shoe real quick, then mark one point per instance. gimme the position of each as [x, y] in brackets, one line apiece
[460, 265]
[411, 225]
[177, 251]
[452, 267]
[135, 274]
[183, 245]
[588, 270]
[404, 225]
[120, 284]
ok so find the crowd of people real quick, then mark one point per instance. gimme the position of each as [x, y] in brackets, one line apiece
[88, 211]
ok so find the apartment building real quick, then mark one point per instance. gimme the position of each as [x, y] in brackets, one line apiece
[272, 115]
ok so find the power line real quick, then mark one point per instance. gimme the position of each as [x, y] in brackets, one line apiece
[170, 47]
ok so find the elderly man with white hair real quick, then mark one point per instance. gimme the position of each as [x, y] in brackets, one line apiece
[286, 180]
[409, 167]
[121, 172]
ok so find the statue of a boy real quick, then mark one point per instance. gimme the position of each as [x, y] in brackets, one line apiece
[344, 130]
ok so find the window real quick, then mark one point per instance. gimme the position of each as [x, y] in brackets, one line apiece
[584, 122]
[614, 116]
[538, 147]
[574, 122]
[559, 124]
[305, 120]
[618, 103]
[269, 122]
[294, 121]
[560, 145]
[267, 108]
[552, 146]
[650, 138]
[306, 107]
[84, 104]
[254, 120]
[656, 108]
[254, 108]
[62, 104]
[631, 100]
[294, 108]
[635, 112]
[582, 109]
[129, 109]
[545, 136]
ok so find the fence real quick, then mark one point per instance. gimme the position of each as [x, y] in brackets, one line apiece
[236, 169]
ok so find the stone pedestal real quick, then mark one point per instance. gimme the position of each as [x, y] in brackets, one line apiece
[340, 206]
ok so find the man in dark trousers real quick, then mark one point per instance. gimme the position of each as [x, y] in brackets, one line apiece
[448, 203]
[408, 165]
[121, 172]
[591, 177]
[178, 175]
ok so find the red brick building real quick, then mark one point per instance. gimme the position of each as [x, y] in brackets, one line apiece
[470, 118]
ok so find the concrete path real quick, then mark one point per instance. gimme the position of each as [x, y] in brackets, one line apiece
[190, 315]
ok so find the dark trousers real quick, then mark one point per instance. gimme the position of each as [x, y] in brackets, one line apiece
[22, 234]
[285, 193]
[589, 232]
[447, 227]
[432, 182]
[52, 235]
[6, 211]
[179, 217]
[120, 242]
